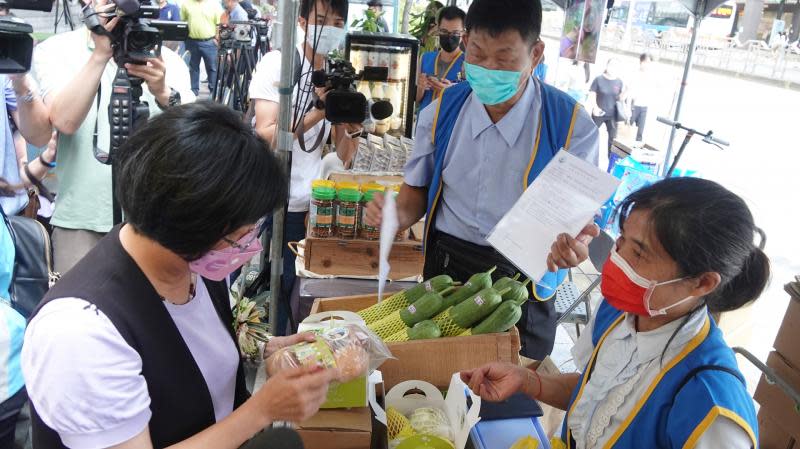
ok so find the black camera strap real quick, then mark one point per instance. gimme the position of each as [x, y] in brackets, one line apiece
[300, 129]
[99, 154]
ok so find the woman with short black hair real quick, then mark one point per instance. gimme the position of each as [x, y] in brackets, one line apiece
[134, 348]
[656, 369]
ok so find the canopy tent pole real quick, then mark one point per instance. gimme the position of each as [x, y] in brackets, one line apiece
[698, 18]
[285, 141]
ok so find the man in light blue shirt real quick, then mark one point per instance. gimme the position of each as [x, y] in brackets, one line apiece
[235, 11]
[478, 148]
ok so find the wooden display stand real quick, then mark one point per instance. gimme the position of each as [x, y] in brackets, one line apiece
[360, 257]
[435, 360]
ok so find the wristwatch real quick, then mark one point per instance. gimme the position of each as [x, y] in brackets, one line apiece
[174, 100]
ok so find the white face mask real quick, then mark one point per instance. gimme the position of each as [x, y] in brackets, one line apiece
[326, 37]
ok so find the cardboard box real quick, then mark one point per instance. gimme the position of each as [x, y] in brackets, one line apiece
[786, 343]
[338, 429]
[408, 396]
[432, 361]
[774, 402]
[360, 257]
[771, 436]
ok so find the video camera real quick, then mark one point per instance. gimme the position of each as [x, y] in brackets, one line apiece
[344, 104]
[140, 34]
[16, 43]
[242, 31]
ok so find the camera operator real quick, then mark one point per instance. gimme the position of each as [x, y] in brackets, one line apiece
[74, 69]
[323, 22]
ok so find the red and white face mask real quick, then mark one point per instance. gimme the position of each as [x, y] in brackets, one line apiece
[628, 291]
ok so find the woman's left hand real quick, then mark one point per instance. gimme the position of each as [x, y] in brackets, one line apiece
[568, 252]
[276, 343]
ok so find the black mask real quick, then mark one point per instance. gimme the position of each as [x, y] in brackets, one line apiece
[449, 43]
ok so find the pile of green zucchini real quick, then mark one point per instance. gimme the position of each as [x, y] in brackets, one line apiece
[439, 308]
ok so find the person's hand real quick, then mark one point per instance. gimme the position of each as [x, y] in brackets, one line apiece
[597, 112]
[353, 130]
[423, 82]
[374, 214]
[49, 154]
[568, 252]
[154, 73]
[439, 84]
[276, 343]
[497, 381]
[295, 394]
[322, 92]
[102, 44]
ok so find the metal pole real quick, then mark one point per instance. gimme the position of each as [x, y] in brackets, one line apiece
[684, 82]
[285, 141]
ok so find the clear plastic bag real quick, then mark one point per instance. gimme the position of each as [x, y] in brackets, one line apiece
[352, 349]
[431, 421]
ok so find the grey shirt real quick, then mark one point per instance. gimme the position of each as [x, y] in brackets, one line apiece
[608, 92]
[485, 165]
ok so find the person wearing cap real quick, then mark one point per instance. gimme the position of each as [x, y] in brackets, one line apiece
[480, 145]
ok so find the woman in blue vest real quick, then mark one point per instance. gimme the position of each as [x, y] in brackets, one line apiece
[441, 68]
[656, 372]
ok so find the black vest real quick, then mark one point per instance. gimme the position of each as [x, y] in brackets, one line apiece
[179, 398]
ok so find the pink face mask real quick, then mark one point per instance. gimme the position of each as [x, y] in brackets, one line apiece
[216, 265]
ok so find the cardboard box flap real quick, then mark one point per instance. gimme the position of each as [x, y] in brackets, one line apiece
[340, 420]
[462, 418]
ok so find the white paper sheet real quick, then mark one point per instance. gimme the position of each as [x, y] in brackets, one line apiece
[389, 227]
[562, 199]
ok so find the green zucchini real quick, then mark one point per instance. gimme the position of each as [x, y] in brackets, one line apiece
[504, 282]
[429, 305]
[475, 284]
[435, 284]
[519, 291]
[477, 308]
[424, 330]
[504, 317]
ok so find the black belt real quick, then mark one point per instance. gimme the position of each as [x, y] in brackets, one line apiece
[202, 40]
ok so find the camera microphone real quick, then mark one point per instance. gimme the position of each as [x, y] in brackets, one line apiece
[275, 438]
[319, 78]
[380, 109]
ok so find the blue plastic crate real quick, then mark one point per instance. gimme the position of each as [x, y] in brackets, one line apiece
[501, 434]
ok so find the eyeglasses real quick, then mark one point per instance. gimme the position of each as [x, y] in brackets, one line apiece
[251, 236]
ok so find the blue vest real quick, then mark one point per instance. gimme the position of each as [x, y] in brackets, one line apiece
[430, 66]
[556, 121]
[698, 385]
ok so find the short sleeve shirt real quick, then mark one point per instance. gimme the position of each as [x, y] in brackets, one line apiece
[86, 382]
[608, 92]
[305, 166]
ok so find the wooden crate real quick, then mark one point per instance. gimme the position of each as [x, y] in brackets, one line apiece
[360, 258]
[436, 360]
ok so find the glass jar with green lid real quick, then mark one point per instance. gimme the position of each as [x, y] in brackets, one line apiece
[348, 211]
[321, 212]
[369, 232]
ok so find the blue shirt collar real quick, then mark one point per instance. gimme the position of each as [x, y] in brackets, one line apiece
[510, 126]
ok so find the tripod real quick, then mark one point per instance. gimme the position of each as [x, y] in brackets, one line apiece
[236, 63]
[65, 14]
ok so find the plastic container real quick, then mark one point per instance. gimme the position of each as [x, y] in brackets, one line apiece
[369, 232]
[347, 185]
[321, 212]
[322, 183]
[348, 211]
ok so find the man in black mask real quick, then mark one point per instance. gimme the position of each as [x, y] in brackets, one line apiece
[442, 67]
